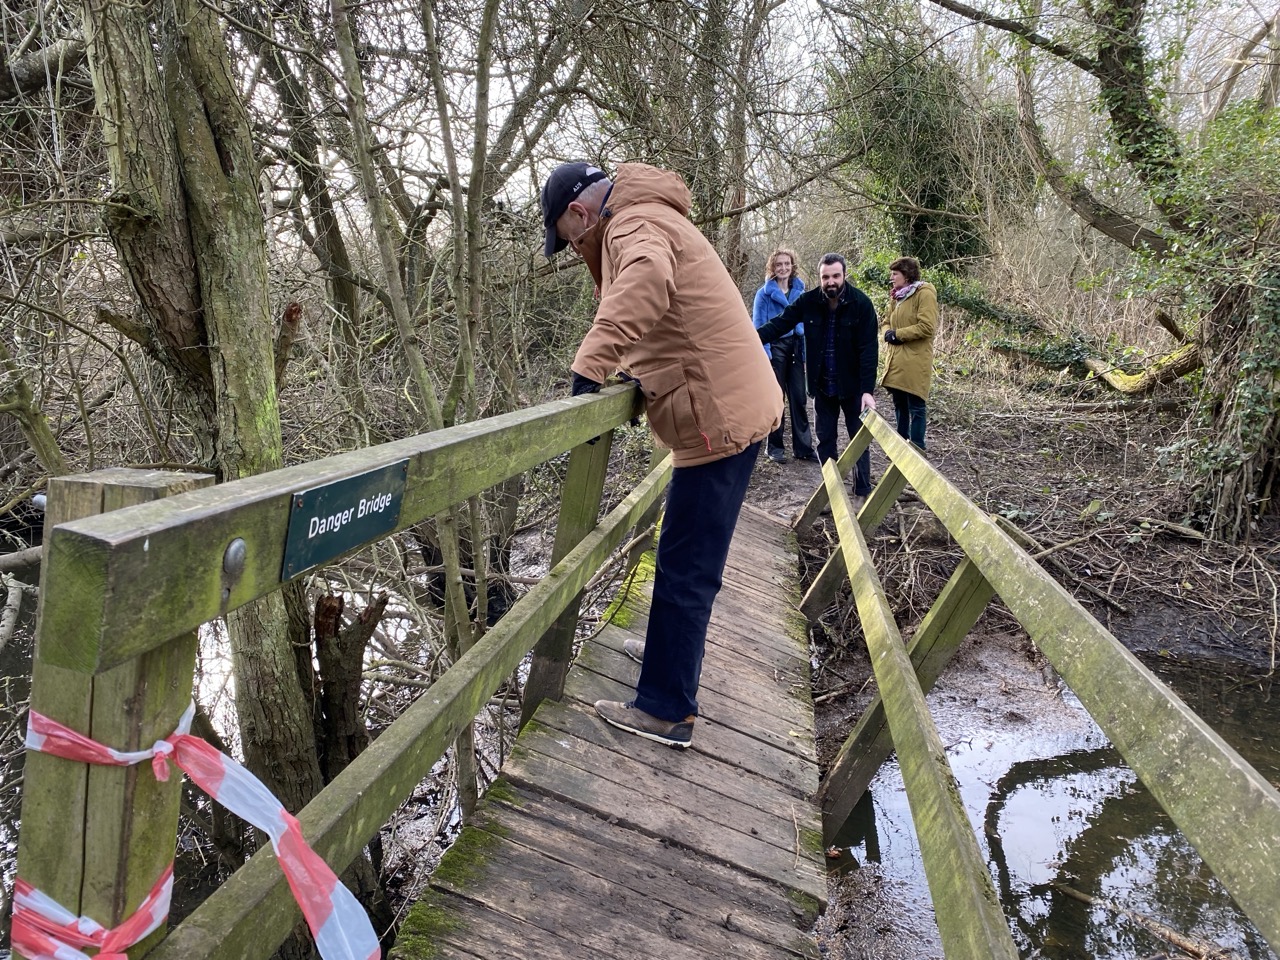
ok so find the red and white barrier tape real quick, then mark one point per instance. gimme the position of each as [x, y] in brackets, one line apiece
[43, 928]
[339, 924]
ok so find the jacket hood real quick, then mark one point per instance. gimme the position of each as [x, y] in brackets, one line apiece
[635, 183]
[641, 183]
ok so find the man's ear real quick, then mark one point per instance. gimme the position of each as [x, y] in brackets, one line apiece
[562, 226]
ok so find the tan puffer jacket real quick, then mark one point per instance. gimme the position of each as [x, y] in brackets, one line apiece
[671, 316]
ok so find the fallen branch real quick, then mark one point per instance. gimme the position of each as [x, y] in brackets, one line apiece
[1165, 369]
[1124, 406]
[14, 592]
[10, 562]
[1030, 543]
[1192, 946]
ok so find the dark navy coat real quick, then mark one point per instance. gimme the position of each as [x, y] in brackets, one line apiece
[857, 339]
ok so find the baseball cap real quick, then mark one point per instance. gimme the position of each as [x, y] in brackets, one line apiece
[564, 185]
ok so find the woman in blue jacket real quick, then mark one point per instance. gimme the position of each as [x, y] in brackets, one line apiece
[781, 287]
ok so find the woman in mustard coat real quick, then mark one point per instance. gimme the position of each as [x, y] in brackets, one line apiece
[908, 325]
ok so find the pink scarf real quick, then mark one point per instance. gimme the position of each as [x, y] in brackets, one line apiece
[903, 292]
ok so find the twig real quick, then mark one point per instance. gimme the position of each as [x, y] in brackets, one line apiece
[469, 572]
[398, 681]
[618, 556]
[1200, 949]
[1029, 542]
[1174, 528]
[1063, 545]
[796, 824]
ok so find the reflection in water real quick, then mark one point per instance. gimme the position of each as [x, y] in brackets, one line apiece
[1054, 804]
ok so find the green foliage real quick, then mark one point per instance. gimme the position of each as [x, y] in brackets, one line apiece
[944, 164]
[953, 289]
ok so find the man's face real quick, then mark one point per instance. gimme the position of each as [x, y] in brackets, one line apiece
[575, 222]
[832, 279]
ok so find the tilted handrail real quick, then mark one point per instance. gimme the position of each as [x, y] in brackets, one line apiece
[968, 911]
[1225, 808]
[118, 585]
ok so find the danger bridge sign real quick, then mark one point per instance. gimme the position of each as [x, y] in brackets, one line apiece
[326, 522]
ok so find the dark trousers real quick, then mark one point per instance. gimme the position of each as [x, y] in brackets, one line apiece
[827, 410]
[703, 503]
[912, 415]
[787, 357]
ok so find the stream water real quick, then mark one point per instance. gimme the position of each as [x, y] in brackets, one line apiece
[1054, 804]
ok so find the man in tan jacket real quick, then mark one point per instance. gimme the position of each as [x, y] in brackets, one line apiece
[671, 317]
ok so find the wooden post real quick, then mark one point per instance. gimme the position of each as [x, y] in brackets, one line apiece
[97, 838]
[939, 636]
[822, 592]
[580, 497]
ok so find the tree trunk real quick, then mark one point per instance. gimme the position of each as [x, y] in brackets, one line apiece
[1240, 340]
[19, 400]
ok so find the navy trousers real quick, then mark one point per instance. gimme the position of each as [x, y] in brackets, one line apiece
[787, 357]
[912, 415]
[827, 410]
[703, 504]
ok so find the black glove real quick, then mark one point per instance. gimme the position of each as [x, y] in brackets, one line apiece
[891, 336]
[582, 385]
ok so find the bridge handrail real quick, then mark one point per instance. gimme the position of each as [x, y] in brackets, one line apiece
[109, 665]
[1227, 810]
[350, 810]
[150, 572]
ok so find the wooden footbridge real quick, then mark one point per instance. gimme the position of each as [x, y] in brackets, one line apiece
[597, 843]
[592, 843]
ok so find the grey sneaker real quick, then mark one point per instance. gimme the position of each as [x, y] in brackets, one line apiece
[634, 649]
[625, 716]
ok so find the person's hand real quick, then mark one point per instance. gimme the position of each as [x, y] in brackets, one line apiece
[891, 336]
[582, 385]
[868, 402]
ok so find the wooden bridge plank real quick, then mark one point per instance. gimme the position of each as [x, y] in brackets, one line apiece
[446, 926]
[726, 672]
[724, 776]
[790, 760]
[673, 875]
[729, 653]
[752, 719]
[744, 628]
[598, 913]
[643, 795]
[600, 844]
